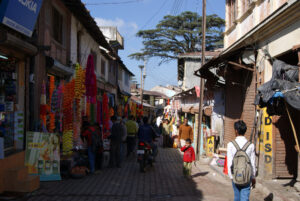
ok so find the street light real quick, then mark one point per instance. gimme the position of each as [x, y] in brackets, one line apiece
[141, 85]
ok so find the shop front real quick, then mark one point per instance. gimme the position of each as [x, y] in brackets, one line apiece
[15, 54]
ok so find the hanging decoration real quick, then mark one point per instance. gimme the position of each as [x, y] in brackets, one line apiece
[120, 110]
[98, 112]
[125, 99]
[69, 94]
[51, 114]
[43, 106]
[111, 112]
[90, 81]
[126, 110]
[79, 82]
[106, 114]
[133, 109]
[79, 87]
[59, 102]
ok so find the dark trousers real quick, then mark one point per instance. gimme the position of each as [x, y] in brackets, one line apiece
[115, 151]
[166, 141]
[131, 143]
[98, 162]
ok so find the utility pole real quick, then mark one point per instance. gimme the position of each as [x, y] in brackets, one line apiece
[201, 79]
[141, 85]
[143, 77]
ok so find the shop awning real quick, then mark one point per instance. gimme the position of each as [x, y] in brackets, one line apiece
[17, 45]
[122, 91]
[138, 101]
[208, 70]
[58, 68]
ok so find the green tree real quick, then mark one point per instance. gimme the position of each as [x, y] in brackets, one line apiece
[179, 34]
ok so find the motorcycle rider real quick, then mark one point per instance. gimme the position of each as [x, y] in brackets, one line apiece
[147, 134]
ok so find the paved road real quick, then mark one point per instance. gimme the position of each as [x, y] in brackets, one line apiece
[164, 182]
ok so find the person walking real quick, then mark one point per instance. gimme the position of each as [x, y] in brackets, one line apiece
[116, 138]
[185, 132]
[241, 163]
[132, 130]
[166, 133]
[93, 137]
[124, 137]
[188, 157]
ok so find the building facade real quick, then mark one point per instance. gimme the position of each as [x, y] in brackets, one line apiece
[259, 34]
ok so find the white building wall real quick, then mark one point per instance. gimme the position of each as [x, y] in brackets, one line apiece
[88, 44]
[245, 21]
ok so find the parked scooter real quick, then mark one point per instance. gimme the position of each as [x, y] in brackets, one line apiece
[144, 155]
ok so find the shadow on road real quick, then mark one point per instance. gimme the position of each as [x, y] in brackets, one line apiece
[200, 174]
[269, 197]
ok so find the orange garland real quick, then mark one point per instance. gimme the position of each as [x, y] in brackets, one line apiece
[51, 114]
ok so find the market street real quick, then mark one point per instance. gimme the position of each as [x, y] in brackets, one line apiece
[164, 182]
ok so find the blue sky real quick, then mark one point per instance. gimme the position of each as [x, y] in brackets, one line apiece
[131, 16]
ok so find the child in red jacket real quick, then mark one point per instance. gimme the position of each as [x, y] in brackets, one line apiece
[188, 157]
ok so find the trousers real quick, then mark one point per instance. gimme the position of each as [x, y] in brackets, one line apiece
[187, 168]
[131, 143]
[241, 193]
[115, 151]
[92, 158]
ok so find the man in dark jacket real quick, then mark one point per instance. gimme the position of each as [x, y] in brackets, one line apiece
[116, 139]
[147, 134]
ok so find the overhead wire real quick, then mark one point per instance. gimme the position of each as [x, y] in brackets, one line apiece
[151, 18]
[174, 7]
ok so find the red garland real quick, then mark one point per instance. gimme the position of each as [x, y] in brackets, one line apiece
[91, 81]
[106, 113]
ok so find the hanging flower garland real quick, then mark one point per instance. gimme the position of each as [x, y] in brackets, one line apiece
[79, 82]
[43, 105]
[106, 113]
[68, 98]
[91, 81]
[51, 114]
[79, 88]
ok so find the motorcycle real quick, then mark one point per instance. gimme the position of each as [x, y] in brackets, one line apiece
[144, 155]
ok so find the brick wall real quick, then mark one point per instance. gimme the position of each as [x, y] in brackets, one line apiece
[239, 102]
[285, 155]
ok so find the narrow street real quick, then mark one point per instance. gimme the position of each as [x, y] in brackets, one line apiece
[163, 182]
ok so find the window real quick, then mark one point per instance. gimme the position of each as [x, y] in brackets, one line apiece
[111, 67]
[126, 79]
[79, 46]
[95, 60]
[103, 67]
[120, 74]
[232, 11]
[246, 4]
[57, 25]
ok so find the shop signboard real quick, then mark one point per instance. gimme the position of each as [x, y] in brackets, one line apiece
[42, 156]
[268, 139]
[20, 15]
[210, 146]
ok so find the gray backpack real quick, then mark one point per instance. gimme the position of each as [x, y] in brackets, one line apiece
[241, 168]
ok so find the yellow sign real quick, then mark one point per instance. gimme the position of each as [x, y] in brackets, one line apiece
[210, 146]
[267, 126]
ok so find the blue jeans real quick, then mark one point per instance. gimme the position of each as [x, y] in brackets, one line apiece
[92, 157]
[241, 193]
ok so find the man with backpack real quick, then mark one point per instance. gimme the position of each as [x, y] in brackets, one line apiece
[241, 163]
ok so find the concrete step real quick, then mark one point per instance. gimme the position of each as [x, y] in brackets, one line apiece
[30, 184]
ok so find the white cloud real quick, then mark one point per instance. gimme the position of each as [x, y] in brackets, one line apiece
[125, 28]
